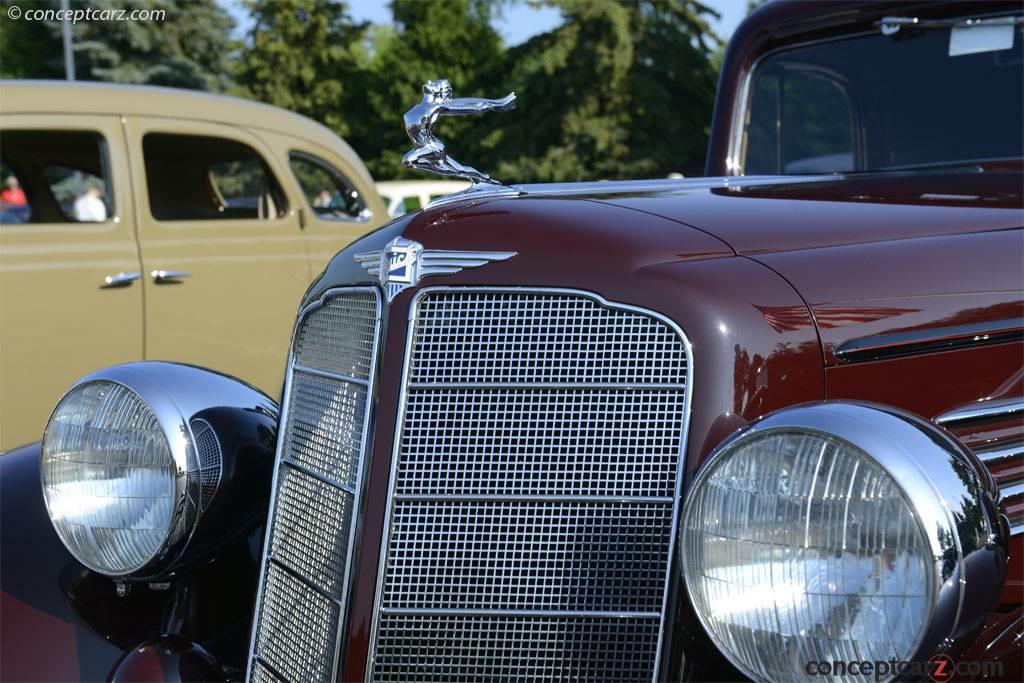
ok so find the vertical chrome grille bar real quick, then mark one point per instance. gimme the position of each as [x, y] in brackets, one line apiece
[535, 489]
[315, 499]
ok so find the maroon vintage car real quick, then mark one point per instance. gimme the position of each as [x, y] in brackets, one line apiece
[767, 424]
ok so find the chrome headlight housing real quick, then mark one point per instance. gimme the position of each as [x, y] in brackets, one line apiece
[840, 532]
[129, 463]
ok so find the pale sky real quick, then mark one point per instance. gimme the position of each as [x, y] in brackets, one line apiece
[519, 21]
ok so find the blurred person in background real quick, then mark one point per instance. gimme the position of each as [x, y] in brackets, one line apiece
[89, 208]
[12, 194]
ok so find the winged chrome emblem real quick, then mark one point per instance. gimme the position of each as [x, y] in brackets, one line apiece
[402, 263]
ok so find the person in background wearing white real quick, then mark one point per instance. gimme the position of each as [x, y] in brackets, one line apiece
[89, 208]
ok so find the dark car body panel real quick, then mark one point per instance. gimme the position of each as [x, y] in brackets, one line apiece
[63, 622]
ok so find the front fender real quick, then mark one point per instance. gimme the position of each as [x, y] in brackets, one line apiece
[61, 621]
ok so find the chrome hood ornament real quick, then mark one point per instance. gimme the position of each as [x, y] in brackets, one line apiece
[429, 153]
[402, 263]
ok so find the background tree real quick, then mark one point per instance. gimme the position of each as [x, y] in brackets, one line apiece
[622, 89]
[302, 55]
[29, 49]
[190, 48]
[454, 39]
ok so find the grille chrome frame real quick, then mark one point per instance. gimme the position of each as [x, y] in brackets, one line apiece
[257, 668]
[375, 641]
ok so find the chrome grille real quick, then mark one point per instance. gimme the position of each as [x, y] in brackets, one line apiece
[994, 430]
[321, 451]
[534, 492]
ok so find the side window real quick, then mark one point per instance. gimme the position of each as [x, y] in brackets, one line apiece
[799, 122]
[194, 177]
[329, 193]
[54, 177]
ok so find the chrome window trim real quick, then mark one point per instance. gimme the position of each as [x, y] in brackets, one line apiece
[359, 490]
[677, 505]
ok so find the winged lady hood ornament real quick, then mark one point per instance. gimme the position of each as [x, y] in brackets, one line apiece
[429, 153]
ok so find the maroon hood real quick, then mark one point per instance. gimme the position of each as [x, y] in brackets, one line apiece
[814, 213]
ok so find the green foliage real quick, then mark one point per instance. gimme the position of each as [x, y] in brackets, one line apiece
[622, 89]
[189, 48]
[29, 49]
[453, 39]
[302, 55]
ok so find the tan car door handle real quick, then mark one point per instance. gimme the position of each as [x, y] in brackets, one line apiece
[165, 277]
[120, 280]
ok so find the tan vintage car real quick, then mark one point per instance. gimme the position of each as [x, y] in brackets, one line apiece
[152, 223]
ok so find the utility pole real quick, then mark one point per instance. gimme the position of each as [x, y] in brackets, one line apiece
[69, 57]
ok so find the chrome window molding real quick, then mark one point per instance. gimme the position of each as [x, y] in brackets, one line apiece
[257, 668]
[389, 521]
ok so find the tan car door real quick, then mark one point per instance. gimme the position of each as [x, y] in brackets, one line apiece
[223, 258]
[70, 295]
[339, 204]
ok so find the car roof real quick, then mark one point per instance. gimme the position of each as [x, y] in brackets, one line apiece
[82, 97]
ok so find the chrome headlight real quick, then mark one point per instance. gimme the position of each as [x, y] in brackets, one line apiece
[839, 532]
[129, 464]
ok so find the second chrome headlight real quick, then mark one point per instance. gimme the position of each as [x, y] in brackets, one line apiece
[838, 532]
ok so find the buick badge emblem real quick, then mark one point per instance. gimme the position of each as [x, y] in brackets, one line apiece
[402, 263]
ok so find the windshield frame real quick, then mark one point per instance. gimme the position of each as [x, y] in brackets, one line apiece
[737, 139]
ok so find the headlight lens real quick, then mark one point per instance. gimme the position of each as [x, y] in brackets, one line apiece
[110, 480]
[799, 547]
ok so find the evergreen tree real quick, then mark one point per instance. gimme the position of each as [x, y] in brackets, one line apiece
[454, 39]
[303, 55]
[623, 89]
[29, 49]
[189, 48]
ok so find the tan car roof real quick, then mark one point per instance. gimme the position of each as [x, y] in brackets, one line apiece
[62, 97]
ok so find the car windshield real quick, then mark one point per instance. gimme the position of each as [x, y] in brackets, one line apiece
[934, 96]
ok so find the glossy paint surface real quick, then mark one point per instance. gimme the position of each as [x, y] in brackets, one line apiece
[756, 342]
[742, 367]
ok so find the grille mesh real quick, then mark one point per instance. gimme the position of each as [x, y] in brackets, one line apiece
[324, 427]
[514, 648]
[303, 587]
[211, 461]
[534, 490]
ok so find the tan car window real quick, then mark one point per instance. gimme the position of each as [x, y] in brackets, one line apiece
[54, 177]
[330, 194]
[193, 177]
